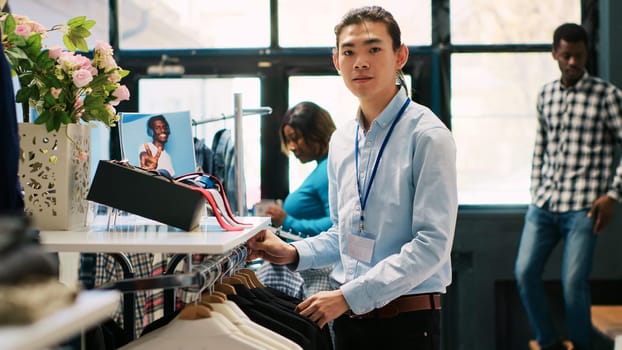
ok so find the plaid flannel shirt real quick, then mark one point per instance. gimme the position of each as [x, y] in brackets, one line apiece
[578, 130]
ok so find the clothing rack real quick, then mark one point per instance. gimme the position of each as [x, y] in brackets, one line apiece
[202, 277]
[239, 112]
[245, 112]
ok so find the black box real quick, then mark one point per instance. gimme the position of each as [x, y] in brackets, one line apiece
[145, 194]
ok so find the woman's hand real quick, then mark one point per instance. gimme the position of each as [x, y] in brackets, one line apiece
[277, 214]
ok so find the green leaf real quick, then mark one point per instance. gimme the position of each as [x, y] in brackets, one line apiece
[49, 99]
[9, 25]
[80, 31]
[22, 95]
[82, 45]
[17, 53]
[89, 24]
[76, 21]
[17, 40]
[65, 118]
[43, 117]
[68, 43]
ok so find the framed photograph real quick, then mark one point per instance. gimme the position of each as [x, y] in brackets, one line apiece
[161, 142]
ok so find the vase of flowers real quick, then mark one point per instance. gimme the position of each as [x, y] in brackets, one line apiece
[69, 93]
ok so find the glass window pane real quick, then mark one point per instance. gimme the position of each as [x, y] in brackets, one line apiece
[183, 24]
[209, 98]
[493, 103]
[51, 13]
[311, 23]
[510, 21]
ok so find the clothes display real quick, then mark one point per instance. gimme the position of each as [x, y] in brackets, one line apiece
[248, 316]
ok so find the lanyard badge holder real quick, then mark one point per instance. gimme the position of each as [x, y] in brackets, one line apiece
[214, 192]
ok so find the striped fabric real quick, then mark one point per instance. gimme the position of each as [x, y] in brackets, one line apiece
[108, 270]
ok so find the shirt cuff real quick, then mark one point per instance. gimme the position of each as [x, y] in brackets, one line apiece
[358, 303]
[305, 255]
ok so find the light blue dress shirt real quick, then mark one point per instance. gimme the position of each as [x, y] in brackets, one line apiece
[411, 209]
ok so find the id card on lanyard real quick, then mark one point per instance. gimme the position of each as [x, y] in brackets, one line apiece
[360, 246]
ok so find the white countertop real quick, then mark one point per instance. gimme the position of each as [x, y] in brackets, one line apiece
[136, 235]
[90, 308]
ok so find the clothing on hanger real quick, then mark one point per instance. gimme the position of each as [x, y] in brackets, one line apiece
[224, 166]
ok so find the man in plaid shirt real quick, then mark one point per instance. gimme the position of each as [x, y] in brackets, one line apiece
[573, 192]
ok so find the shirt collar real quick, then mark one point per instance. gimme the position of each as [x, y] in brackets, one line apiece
[580, 83]
[390, 111]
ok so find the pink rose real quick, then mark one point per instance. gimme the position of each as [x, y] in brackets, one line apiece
[55, 52]
[121, 94]
[82, 77]
[23, 30]
[114, 77]
[103, 48]
[55, 92]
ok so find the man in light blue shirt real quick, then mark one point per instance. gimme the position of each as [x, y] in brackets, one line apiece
[393, 202]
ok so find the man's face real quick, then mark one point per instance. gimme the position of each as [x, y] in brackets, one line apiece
[366, 60]
[160, 131]
[571, 58]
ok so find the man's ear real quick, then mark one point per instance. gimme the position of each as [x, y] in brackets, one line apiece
[336, 60]
[402, 56]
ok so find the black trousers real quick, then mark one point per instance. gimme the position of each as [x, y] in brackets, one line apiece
[419, 330]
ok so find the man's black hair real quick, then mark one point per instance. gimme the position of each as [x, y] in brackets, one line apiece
[570, 32]
[152, 120]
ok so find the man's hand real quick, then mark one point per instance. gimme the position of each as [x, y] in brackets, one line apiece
[602, 211]
[266, 245]
[149, 161]
[323, 307]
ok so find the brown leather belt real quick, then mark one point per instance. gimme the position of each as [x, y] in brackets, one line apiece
[407, 303]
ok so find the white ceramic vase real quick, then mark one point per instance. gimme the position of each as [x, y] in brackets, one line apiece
[54, 172]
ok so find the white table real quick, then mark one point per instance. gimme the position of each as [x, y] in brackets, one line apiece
[90, 308]
[136, 235]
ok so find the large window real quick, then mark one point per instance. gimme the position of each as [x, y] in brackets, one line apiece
[494, 122]
[194, 24]
[510, 21]
[493, 93]
[51, 13]
[311, 23]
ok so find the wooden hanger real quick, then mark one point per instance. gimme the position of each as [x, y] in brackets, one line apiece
[195, 312]
[212, 298]
[234, 280]
[225, 288]
[253, 277]
[247, 281]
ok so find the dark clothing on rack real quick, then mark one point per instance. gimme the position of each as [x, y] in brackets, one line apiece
[225, 167]
[204, 156]
[279, 326]
[410, 330]
[283, 310]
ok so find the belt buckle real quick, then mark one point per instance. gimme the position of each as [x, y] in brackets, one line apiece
[354, 316]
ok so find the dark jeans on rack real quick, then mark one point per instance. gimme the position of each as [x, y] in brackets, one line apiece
[419, 330]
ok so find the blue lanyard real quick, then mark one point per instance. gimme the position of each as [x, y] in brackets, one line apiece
[363, 198]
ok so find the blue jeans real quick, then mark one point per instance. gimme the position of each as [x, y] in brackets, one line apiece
[542, 231]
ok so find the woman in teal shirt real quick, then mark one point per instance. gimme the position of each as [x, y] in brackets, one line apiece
[305, 131]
